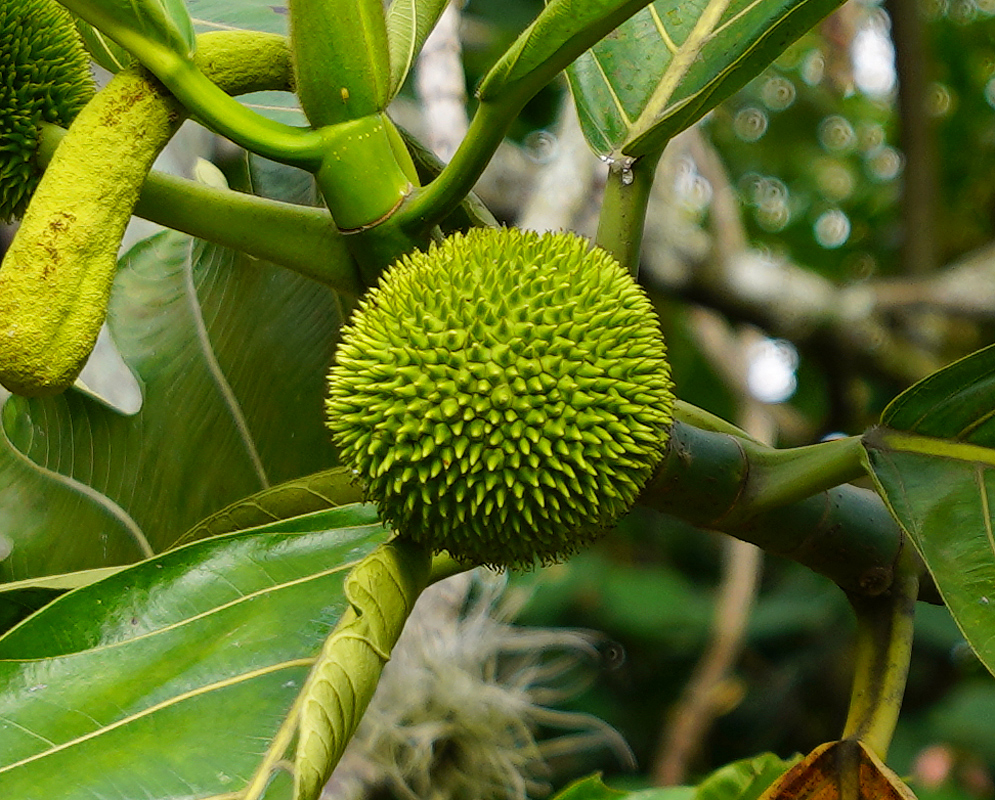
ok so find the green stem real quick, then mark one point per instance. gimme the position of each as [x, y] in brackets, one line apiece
[381, 590]
[503, 92]
[884, 649]
[706, 420]
[301, 147]
[623, 210]
[779, 477]
[300, 238]
[445, 566]
[181, 74]
[341, 58]
[431, 204]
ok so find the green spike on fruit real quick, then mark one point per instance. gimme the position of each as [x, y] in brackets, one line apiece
[504, 396]
[44, 77]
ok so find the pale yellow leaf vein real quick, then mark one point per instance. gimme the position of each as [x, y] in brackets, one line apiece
[28, 731]
[662, 29]
[986, 516]
[201, 690]
[214, 368]
[740, 14]
[219, 25]
[611, 90]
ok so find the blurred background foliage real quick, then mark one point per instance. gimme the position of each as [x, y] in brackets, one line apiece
[814, 154]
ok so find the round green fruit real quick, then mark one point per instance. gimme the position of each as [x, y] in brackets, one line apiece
[504, 396]
[44, 77]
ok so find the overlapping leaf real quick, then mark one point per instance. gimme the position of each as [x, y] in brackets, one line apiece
[669, 64]
[210, 642]
[933, 459]
[231, 355]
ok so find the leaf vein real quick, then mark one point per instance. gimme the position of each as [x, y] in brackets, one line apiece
[214, 368]
[662, 29]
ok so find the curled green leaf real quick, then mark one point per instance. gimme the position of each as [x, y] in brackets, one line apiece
[381, 590]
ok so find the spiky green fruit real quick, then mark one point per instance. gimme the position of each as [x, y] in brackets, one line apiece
[44, 77]
[504, 396]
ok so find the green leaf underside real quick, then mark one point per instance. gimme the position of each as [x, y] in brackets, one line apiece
[215, 640]
[409, 22]
[934, 462]
[663, 69]
[105, 51]
[230, 354]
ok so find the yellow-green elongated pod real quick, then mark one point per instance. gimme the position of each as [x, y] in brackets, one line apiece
[55, 280]
[56, 277]
[44, 77]
[382, 590]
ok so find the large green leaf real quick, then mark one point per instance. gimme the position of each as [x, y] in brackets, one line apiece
[933, 459]
[210, 643]
[280, 504]
[669, 64]
[230, 354]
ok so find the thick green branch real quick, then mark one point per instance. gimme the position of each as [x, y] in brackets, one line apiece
[722, 482]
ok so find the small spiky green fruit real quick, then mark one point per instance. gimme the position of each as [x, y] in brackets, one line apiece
[504, 396]
[44, 77]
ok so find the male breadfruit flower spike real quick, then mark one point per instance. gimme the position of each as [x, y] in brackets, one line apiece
[504, 396]
[44, 77]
